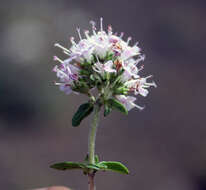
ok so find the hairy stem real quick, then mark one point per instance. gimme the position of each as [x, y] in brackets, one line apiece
[92, 135]
[91, 181]
[91, 147]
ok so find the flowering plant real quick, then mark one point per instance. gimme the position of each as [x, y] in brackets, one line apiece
[106, 63]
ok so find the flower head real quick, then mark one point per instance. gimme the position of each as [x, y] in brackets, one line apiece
[104, 61]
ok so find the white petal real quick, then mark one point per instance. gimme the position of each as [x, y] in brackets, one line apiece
[109, 64]
[129, 106]
[131, 98]
[143, 91]
[66, 89]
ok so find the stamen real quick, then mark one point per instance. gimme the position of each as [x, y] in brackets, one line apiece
[93, 26]
[148, 84]
[121, 34]
[97, 58]
[139, 107]
[141, 67]
[110, 30]
[55, 69]
[142, 58]
[78, 31]
[136, 43]
[86, 33]
[128, 40]
[72, 40]
[101, 24]
[56, 83]
[154, 84]
[55, 58]
[150, 76]
[66, 53]
[63, 48]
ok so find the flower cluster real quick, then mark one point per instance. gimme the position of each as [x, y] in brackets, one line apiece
[103, 61]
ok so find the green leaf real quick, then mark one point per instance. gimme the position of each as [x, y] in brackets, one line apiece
[115, 104]
[113, 166]
[83, 111]
[107, 110]
[68, 166]
[96, 159]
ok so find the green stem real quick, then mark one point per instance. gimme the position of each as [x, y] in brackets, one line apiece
[92, 135]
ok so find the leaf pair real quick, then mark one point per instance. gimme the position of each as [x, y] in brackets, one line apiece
[85, 109]
[101, 166]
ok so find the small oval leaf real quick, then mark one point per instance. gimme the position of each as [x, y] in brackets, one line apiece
[113, 166]
[68, 166]
[83, 111]
[115, 104]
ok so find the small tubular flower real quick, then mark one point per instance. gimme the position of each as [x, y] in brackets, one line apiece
[128, 102]
[105, 67]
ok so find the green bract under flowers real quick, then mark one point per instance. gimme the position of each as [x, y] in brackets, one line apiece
[103, 61]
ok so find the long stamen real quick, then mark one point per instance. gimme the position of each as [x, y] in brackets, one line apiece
[55, 58]
[141, 68]
[136, 43]
[78, 31]
[154, 84]
[142, 58]
[66, 52]
[63, 48]
[57, 83]
[128, 40]
[150, 76]
[109, 30]
[101, 24]
[72, 40]
[148, 84]
[86, 33]
[97, 58]
[121, 34]
[93, 26]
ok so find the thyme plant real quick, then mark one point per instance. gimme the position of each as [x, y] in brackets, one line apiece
[109, 64]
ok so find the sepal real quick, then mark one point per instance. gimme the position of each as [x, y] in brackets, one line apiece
[115, 104]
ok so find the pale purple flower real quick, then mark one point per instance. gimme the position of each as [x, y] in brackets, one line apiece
[128, 102]
[66, 73]
[140, 85]
[82, 50]
[101, 44]
[102, 68]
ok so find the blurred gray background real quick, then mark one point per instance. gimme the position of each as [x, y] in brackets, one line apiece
[164, 146]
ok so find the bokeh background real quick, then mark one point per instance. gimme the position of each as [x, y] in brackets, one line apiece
[164, 146]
